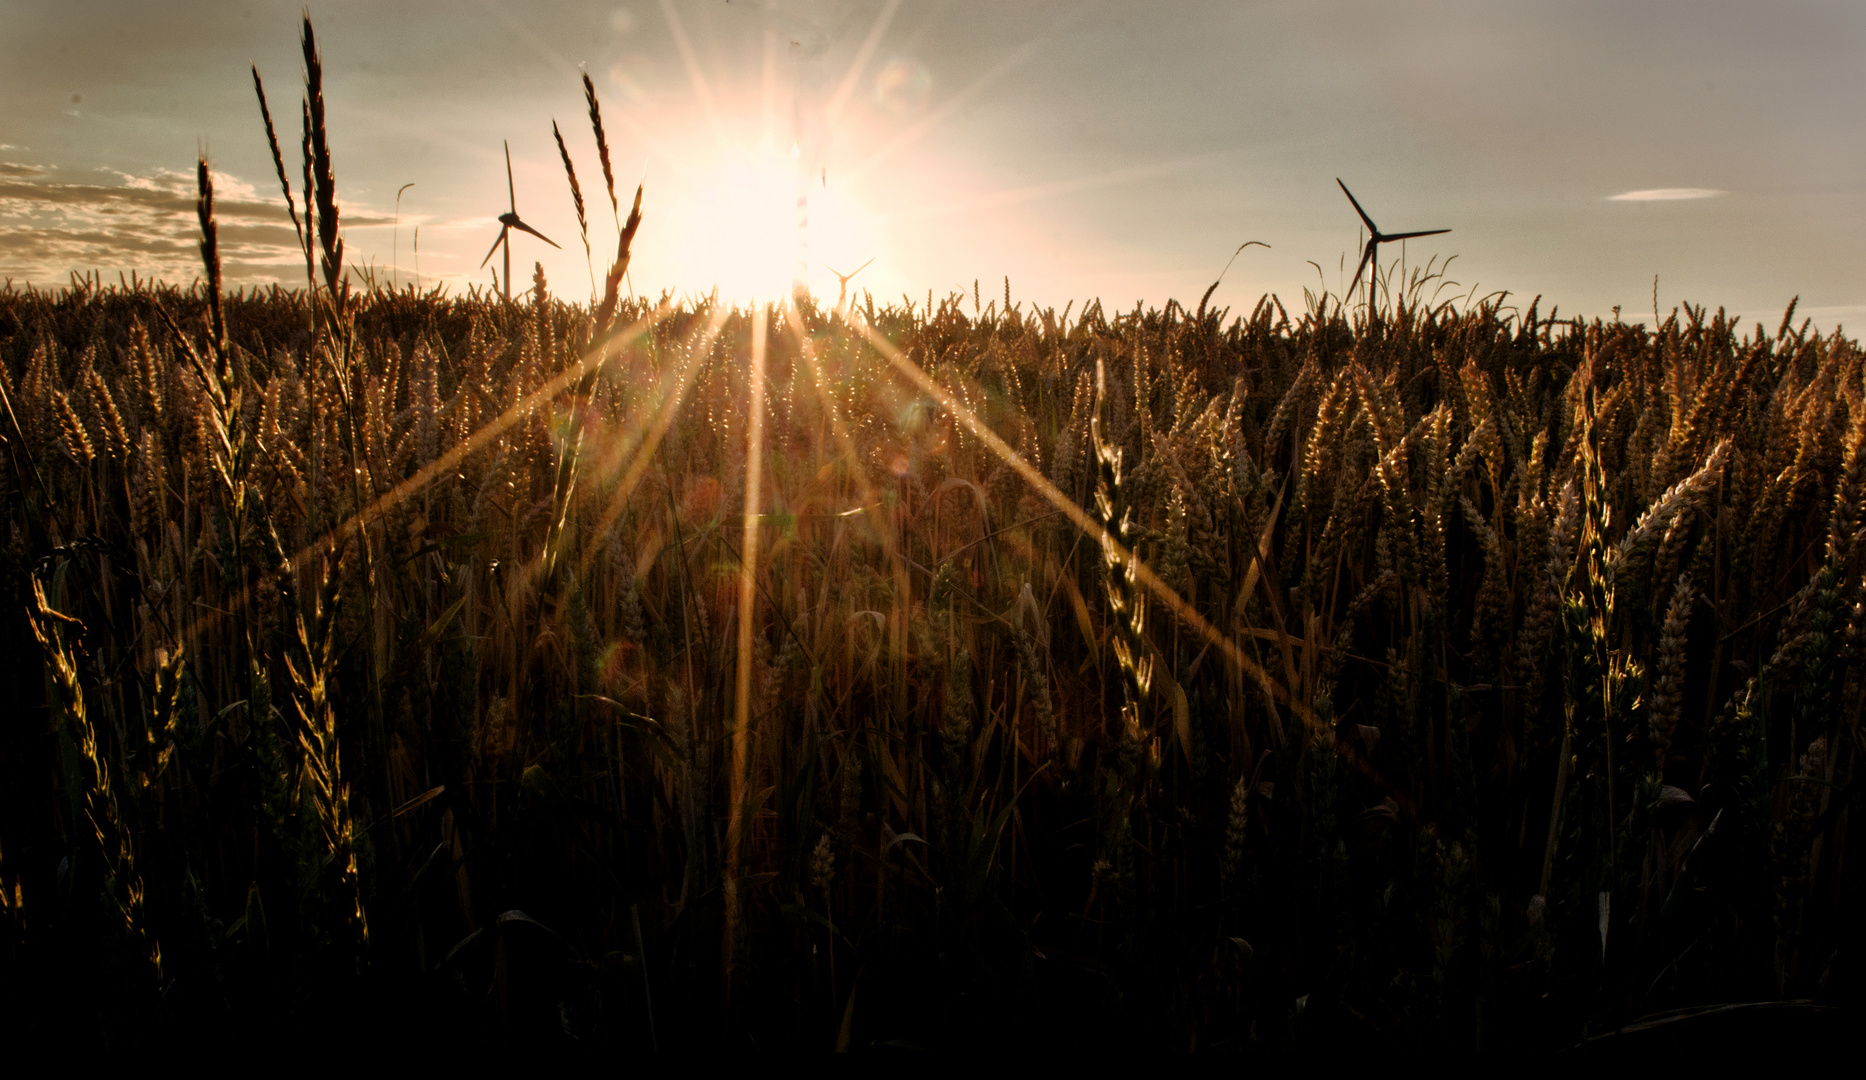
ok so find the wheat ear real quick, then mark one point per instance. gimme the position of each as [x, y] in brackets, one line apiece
[278, 163]
[576, 198]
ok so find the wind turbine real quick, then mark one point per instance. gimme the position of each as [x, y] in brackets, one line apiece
[1374, 240]
[842, 280]
[507, 222]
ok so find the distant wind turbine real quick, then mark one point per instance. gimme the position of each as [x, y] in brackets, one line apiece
[842, 280]
[507, 222]
[1374, 241]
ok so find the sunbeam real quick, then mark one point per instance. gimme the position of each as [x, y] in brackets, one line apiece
[838, 426]
[449, 460]
[1076, 514]
[532, 41]
[701, 88]
[918, 130]
[846, 88]
[748, 591]
[646, 439]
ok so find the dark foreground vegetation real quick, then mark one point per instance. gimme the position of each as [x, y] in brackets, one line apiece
[375, 669]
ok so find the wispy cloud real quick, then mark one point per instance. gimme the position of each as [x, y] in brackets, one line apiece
[146, 223]
[1666, 194]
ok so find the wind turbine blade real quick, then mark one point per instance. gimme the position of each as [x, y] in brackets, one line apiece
[517, 224]
[862, 267]
[1410, 235]
[1366, 257]
[1371, 227]
[495, 248]
[511, 193]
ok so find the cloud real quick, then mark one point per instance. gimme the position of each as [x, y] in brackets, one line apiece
[146, 223]
[1666, 194]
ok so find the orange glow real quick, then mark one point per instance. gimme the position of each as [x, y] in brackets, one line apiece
[742, 228]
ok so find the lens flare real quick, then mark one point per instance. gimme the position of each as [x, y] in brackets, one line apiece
[902, 87]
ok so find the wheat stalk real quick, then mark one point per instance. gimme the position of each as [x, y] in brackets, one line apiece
[1127, 606]
[317, 164]
[576, 199]
[113, 840]
[602, 145]
[285, 184]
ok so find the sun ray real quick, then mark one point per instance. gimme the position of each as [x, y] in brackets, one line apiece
[1142, 572]
[532, 41]
[657, 147]
[748, 564]
[871, 506]
[701, 88]
[447, 461]
[490, 431]
[839, 429]
[915, 132]
[655, 429]
[863, 55]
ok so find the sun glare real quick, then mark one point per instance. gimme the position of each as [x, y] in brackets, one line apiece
[758, 221]
[749, 237]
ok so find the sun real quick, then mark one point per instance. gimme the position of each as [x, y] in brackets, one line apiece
[749, 237]
[758, 222]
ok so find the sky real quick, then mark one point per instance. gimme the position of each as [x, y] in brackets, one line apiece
[1577, 150]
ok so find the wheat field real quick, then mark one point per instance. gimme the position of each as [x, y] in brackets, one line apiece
[948, 674]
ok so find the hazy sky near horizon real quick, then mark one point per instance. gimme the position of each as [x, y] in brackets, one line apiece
[1113, 150]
